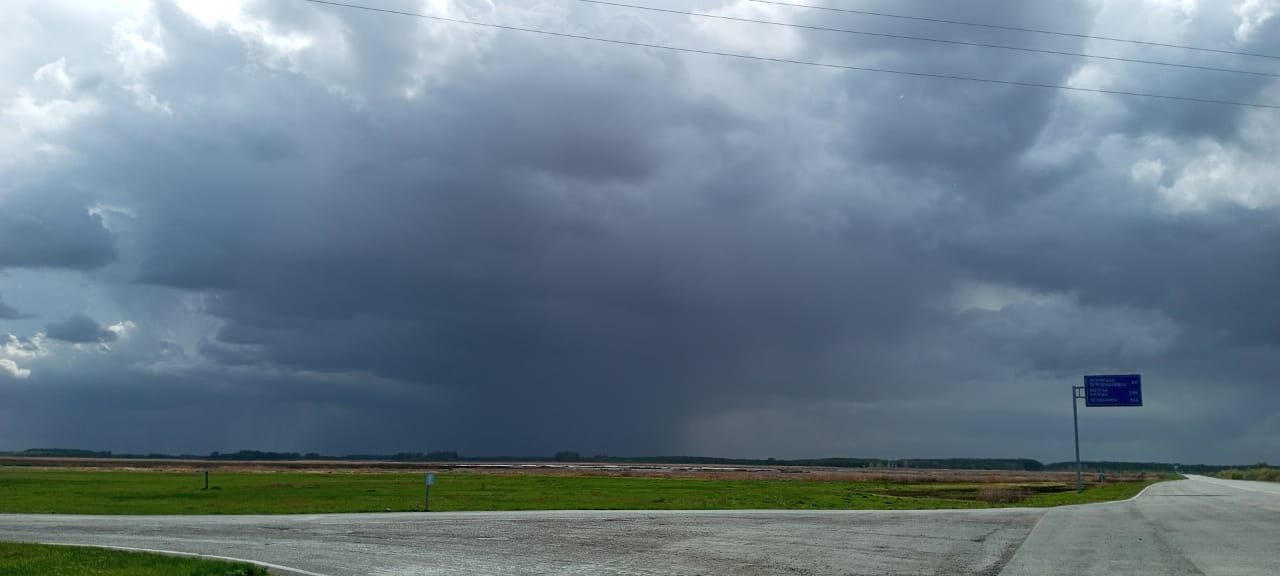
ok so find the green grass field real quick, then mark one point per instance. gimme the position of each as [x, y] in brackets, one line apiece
[58, 491]
[43, 560]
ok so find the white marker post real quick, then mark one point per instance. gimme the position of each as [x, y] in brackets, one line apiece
[426, 499]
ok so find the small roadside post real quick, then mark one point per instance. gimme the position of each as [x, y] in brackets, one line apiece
[1103, 390]
[426, 499]
[206, 479]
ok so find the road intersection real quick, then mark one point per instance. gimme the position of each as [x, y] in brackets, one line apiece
[1196, 526]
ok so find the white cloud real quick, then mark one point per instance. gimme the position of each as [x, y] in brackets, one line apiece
[1147, 172]
[972, 295]
[1218, 173]
[33, 116]
[12, 369]
[122, 329]
[114, 218]
[270, 46]
[15, 347]
[31, 123]
[1253, 14]
[1186, 8]
[212, 14]
[137, 44]
[12, 347]
[55, 74]
[746, 37]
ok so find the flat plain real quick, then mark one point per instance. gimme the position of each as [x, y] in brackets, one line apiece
[1198, 526]
[256, 488]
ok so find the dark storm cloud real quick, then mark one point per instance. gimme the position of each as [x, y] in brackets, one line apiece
[1211, 271]
[506, 249]
[554, 245]
[50, 228]
[202, 412]
[1189, 120]
[954, 59]
[964, 137]
[79, 329]
[498, 249]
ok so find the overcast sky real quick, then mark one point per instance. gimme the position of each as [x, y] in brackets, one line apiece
[279, 225]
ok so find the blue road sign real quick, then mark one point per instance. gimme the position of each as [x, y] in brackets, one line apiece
[1113, 390]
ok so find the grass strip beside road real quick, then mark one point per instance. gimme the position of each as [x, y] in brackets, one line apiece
[42, 560]
[127, 492]
[1259, 473]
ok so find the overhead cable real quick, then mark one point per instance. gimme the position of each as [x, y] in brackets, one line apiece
[1017, 29]
[936, 40]
[805, 62]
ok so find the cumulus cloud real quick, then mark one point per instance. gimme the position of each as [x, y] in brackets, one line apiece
[122, 329]
[13, 349]
[11, 369]
[23, 348]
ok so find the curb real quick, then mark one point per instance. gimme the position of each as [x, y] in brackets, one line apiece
[267, 565]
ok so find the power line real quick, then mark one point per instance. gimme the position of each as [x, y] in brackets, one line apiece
[1018, 29]
[808, 63]
[937, 40]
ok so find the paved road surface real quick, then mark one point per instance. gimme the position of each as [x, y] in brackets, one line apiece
[1197, 526]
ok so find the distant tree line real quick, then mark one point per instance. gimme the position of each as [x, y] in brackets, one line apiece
[1107, 466]
[60, 453]
[1014, 464]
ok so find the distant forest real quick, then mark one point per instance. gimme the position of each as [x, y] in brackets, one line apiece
[568, 457]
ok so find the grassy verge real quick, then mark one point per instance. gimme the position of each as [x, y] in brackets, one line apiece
[1025, 494]
[42, 560]
[1258, 473]
[99, 492]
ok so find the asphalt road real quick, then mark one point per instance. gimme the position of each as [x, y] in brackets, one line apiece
[1197, 526]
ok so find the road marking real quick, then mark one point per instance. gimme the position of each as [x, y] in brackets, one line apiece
[195, 555]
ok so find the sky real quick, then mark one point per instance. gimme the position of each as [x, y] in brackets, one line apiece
[281, 225]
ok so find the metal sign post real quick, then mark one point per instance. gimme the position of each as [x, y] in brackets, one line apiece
[1103, 390]
[1077, 392]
